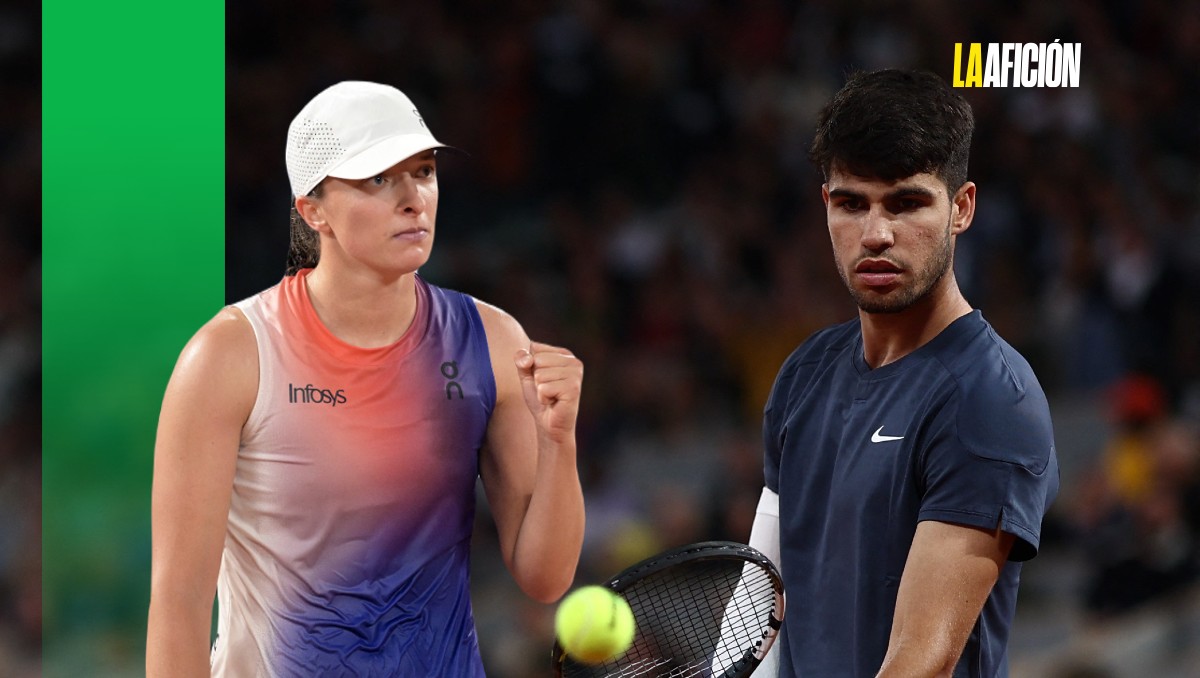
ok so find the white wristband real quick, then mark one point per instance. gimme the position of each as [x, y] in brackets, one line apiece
[764, 536]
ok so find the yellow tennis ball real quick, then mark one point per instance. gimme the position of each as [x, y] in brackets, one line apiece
[593, 624]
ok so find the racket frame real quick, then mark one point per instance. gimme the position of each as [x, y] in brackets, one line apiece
[706, 550]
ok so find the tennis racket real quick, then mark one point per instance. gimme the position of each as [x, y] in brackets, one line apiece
[711, 609]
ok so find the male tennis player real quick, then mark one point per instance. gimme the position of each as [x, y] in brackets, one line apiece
[909, 452]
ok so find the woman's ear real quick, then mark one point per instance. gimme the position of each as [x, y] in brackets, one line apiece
[309, 209]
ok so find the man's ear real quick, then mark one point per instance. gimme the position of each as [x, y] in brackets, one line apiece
[962, 208]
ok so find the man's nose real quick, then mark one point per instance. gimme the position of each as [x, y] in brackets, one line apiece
[877, 234]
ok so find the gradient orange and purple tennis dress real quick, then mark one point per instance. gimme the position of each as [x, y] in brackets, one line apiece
[349, 530]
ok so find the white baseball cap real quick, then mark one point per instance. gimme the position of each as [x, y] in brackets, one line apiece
[353, 130]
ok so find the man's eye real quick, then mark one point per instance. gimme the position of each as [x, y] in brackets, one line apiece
[378, 180]
[427, 171]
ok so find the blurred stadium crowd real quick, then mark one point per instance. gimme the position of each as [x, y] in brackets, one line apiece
[637, 189]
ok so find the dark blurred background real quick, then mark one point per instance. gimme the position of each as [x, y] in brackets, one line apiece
[20, 344]
[637, 190]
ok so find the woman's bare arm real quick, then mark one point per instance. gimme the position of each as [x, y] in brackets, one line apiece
[208, 398]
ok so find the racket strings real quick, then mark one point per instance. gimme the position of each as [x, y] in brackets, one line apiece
[691, 618]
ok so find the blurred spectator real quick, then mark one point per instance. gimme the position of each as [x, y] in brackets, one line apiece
[1137, 406]
[1136, 513]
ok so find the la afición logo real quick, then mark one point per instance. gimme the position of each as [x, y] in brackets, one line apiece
[1017, 64]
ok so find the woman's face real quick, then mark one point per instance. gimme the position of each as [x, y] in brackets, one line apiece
[385, 222]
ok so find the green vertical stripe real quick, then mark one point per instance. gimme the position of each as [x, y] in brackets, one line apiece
[133, 213]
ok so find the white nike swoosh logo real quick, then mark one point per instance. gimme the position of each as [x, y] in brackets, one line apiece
[876, 438]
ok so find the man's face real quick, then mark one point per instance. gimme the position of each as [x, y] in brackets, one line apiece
[893, 241]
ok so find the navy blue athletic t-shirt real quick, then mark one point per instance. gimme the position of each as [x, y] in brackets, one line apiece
[958, 431]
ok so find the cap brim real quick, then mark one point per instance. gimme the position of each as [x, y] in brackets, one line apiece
[383, 155]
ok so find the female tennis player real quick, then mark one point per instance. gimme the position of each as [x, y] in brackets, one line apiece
[319, 442]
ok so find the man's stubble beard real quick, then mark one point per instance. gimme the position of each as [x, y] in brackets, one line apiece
[906, 297]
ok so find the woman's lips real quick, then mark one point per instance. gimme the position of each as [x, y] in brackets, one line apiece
[415, 234]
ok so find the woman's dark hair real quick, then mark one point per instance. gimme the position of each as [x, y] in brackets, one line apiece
[304, 246]
[891, 124]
